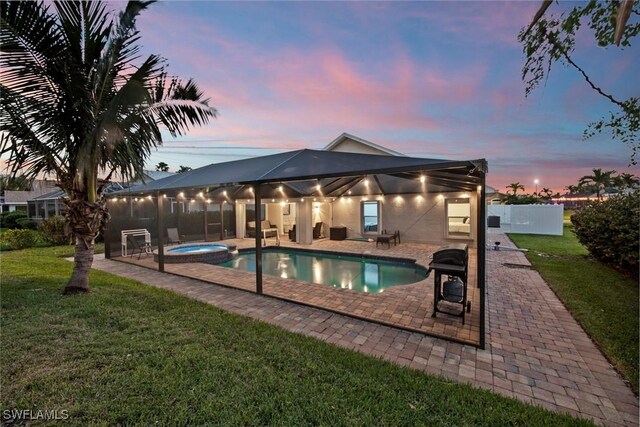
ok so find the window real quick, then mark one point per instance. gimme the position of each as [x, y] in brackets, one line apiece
[251, 212]
[458, 218]
[32, 209]
[229, 220]
[41, 209]
[370, 217]
[51, 208]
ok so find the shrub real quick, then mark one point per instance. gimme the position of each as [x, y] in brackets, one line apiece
[27, 224]
[9, 219]
[524, 199]
[609, 230]
[20, 239]
[52, 231]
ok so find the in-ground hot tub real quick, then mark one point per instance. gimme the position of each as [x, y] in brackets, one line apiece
[209, 253]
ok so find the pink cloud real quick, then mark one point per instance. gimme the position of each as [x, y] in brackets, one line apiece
[474, 21]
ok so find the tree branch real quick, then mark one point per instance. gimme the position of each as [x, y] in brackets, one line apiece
[593, 86]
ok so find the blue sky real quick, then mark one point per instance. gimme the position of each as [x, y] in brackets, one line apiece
[428, 79]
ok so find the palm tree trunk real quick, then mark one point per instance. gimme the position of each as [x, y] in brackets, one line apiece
[84, 222]
[82, 261]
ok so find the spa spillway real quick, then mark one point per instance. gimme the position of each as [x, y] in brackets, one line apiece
[209, 253]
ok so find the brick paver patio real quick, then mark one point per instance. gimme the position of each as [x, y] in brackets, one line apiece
[407, 306]
[536, 351]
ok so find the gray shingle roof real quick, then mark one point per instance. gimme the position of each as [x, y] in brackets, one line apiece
[314, 165]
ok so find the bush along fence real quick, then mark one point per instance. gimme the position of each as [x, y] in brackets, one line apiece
[610, 230]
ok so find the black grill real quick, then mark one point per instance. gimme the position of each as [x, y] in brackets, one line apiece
[452, 261]
[454, 254]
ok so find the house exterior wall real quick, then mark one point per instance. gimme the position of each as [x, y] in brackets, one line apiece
[350, 146]
[419, 217]
[274, 215]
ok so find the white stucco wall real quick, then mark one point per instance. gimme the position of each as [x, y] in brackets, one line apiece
[304, 226]
[420, 218]
[274, 215]
[350, 146]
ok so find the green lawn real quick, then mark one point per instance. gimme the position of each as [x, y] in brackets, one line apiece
[604, 301]
[567, 215]
[132, 354]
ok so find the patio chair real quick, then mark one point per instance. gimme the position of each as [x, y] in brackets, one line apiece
[268, 229]
[292, 233]
[139, 247]
[384, 238]
[174, 237]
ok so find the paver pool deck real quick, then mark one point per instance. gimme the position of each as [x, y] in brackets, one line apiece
[536, 352]
[408, 306]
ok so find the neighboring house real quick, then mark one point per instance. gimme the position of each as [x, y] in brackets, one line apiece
[494, 197]
[575, 200]
[11, 201]
[150, 175]
[46, 205]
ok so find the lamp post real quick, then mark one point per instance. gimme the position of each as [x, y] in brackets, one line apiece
[536, 182]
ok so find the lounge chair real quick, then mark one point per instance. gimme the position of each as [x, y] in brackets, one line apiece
[266, 228]
[173, 236]
[139, 247]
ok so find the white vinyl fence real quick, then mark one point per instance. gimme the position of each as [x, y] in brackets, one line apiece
[529, 219]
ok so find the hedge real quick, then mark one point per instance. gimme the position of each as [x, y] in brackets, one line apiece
[610, 230]
[20, 239]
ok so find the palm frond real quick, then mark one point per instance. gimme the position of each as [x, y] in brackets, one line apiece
[31, 43]
[181, 106]
[73, 99]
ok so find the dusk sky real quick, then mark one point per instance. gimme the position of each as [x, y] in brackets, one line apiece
[428, 79]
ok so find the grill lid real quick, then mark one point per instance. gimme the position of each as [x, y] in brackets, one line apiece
[455, 254]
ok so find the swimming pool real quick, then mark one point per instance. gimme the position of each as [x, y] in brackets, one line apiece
[362, 274]
[210, 253]
[193, 249]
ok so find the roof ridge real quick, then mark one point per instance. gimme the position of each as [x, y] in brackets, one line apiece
[297, 152]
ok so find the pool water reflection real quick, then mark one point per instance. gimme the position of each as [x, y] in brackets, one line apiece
[341, 271]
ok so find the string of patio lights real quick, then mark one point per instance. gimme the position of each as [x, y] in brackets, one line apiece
[283, 200]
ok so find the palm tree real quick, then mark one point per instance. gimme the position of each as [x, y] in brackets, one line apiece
[162, 167]
[547, 193]
[599, 179]
[572, 188]
[74, 101]
[514, 187]
[16, 183]
[627, 180]
[183, 169]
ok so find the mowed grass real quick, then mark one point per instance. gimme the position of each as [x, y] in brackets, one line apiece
[132, 354]
[603, 300]
[566, 216]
